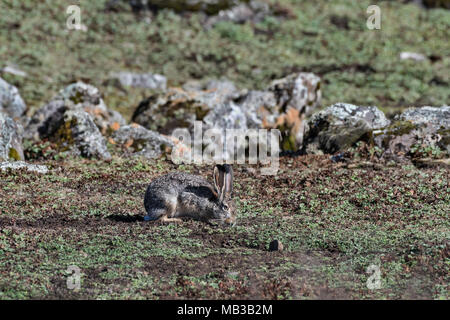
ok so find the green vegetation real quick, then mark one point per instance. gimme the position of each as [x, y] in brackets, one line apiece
[333, 221]
[329, 38]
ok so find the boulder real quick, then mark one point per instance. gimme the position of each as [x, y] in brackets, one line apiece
[11, 102]
[141, 80]
[298, 95]
[219, 104]
[340, 126]
[415, 130]
[300, 91]
[77, 96]
[141, 142]
[79, 135]
[10, 139]
[177, 108]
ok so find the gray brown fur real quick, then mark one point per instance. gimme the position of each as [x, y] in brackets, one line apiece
[178, 194]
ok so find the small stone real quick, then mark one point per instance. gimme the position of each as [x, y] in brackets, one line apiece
[141, 80]
[276, 245]
[412, 56]
[21, 164]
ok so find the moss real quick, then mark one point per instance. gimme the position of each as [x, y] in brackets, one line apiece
[14, 154]
[398, 128]
[77, 98]
[64, 135]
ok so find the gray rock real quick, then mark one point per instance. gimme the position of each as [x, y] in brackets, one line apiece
[79, 135]
[300, 91]
[11, 102]
[10, 139]
[224, 87]
[141, 141]
[219, 104]
[416, 128]
[226, 115]
[143, 80]
[13, 69]
[340, 126]
[260, 108]
[412, 56]
[16, 165]
[177, 108]
[206, 6]
[77, 96]
[253, 11]
[437, 117]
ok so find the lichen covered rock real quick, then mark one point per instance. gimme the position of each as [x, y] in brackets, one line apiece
[79, 135]
[77, 96]
[10, 139]
[416, 129]
[11, 102]
[141, 142]
[340, 126]
[164, 112]
[220, 105]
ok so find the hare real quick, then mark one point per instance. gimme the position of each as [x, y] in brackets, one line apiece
[178, 194]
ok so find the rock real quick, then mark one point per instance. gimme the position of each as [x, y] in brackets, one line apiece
[437, 117]
[412, 56]
[276, 245]
[79, 135]
[415, 129]
[260, 108]
[297, 96]
[300, 91]
[10, 139]
[177, 108]
[225, 88]
[11, 102]
[4, 166]
[144, 80]
[340, 126]
[141, 141]
[77, 96]
[206, 6]
[253, 11]
[12, 69]
[227, 115]
[219, 104]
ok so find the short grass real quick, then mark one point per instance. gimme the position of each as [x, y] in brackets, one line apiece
[329, 38]
[334, 222]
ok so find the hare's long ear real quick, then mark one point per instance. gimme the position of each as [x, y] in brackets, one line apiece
[228, 190]
[219, 180]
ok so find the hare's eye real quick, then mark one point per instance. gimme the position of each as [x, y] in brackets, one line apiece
[225, 207]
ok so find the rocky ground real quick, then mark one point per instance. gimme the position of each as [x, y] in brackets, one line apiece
[365, 143]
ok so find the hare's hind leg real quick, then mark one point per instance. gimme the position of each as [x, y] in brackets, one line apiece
[163, 213]
[171, 209]
[166, 219]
